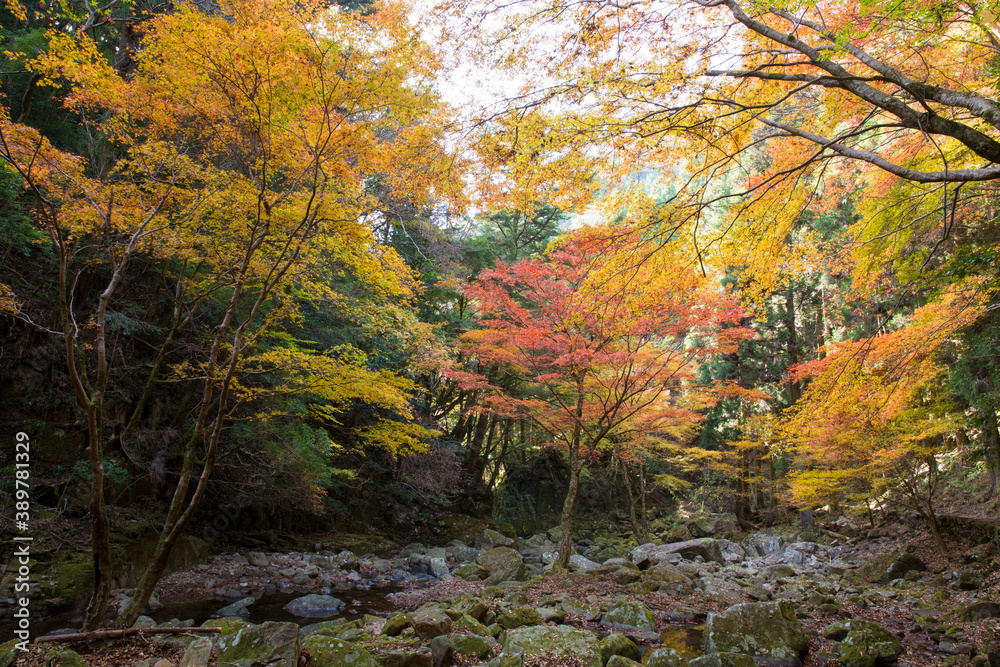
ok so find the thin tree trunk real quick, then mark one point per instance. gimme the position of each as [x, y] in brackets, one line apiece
[566, 546]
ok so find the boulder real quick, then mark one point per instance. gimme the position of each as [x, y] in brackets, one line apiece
[472, 645]
[503, 564]
[198, 654]
[439, 569]
[979, 611]
[471, 572]
[620, 661]
[630, 614]
[769, 631]
[332, 652]
[430, 623]
[314, 606]
[578, 563]
[558, 643]
[617, 644]
[465, 554]
[883, 569]
[491, 539]
[323, 627]
[764, 543]
[239, 608]
[407, 657]
[866, 644]
[708, 548]
[518, 617]
[396, 624]
[722, 660]
[665, 657]
[274, 644]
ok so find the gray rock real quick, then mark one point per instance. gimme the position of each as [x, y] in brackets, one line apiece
[430, 623]
[314, 606]
[258, 559]
[440, 569]
[765, 630]
[665, 657]
[764, 543]
[198, 654]
[464, 554]
[708, 548]
[578, 563]
[238, 608]
[491, 539]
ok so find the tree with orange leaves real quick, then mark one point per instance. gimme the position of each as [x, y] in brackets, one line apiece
[606, 357]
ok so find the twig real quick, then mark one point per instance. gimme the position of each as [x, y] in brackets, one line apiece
[114, 634]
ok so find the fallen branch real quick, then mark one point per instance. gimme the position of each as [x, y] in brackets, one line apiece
[114, 634]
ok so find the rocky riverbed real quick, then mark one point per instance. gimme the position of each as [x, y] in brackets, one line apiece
[814, 598]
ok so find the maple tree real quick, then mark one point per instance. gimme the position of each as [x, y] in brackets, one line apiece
[605, 357]
[247, 144]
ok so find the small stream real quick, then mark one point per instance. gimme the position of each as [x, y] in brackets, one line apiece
[268, 608]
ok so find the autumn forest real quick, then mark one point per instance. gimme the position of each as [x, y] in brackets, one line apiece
[351, 267]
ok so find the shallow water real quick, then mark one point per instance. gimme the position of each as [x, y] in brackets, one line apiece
[267, 608]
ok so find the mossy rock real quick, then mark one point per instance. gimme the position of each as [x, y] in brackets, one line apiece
[272, 643]
[631, 614]
[760, 629]
[620, 661]
[471, 645]
[559, 642]
[665, 657]
[617, 644]
[723, 660]
[518, 617]
[53, 656]
[889, 567]
[396, 624]
[466, 623]
[9, 653]
[503, 564]
[324, 627]
[867, 645]
[331, 652]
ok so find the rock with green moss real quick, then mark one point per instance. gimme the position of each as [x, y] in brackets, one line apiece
[468, 644]
[396, 624]
[866, 644]
[470, 572]
[556, 643]
[274, 644]
[323, 627]
[722, 660]
[474, 607]
[665, 657]
[518, 617]
[769, 631]
[630, 614]
[889, 567]
[198, 654]
[327, 651]
[617, 645]
[9, 653]
[620, 661]
[466, 623]
[503, 564]
[51, 656]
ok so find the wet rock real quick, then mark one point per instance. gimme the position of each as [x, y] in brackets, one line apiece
[239, 608]
[768, 631]
[631, 614]
[563, 642]
[274, 644]
[331, 652]
[314, 606]
[617, 644]
[503, 564]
